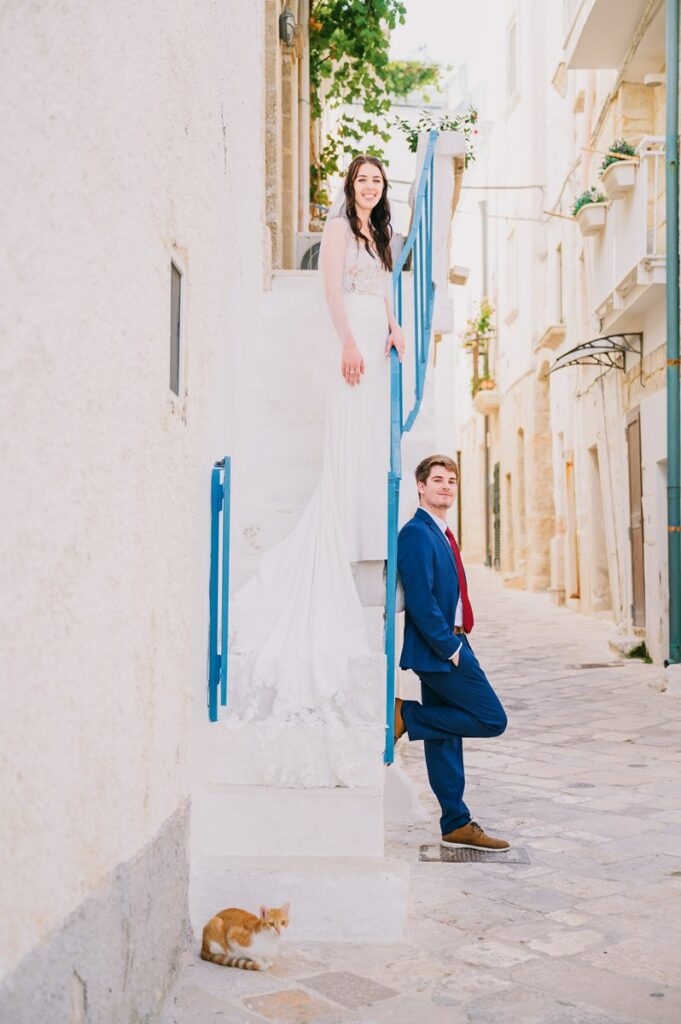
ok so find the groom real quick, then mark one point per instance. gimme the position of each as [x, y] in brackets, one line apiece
[456, 698]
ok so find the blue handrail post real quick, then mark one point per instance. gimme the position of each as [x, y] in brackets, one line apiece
[391, 587]
[213, 656]
[423, 285]
[420, 243]
[418, 323]
[218, 587]
[226, 525]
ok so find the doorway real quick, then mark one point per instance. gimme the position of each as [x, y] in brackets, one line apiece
[638, 612]
[496, 516]
[572, 590]
[599, 575]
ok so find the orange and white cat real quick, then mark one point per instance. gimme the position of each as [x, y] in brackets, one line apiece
[235, 938]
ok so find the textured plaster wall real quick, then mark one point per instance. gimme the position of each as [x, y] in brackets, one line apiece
[111, 959]
[133, 134]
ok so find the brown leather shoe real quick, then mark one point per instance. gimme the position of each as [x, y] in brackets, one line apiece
[400, 727]
[472, 836]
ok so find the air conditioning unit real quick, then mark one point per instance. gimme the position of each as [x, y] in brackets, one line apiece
[308, 244]
[307, 250]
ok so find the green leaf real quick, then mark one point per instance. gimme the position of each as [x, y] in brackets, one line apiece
[350, 63]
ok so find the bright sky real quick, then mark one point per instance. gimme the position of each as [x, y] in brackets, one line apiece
[444, 31]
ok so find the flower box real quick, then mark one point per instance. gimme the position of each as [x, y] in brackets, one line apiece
[486, 401]
[591, 218]
[618, 178]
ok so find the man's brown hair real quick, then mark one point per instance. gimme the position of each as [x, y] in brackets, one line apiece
[425, 465]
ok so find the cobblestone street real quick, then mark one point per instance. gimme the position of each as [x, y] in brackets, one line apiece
[587, 930]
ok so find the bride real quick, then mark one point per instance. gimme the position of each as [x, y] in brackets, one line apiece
[300, 663]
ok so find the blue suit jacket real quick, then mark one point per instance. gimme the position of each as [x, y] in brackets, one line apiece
[426, 565]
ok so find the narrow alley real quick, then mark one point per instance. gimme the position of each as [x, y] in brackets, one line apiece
[580, 924]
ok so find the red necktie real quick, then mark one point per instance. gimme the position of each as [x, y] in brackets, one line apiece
[468, 620]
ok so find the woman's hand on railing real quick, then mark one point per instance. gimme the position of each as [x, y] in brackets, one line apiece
[396, 341]
[352, 361]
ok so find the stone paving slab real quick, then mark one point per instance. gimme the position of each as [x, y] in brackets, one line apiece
[290, 1007]
[348, 989]
[586, 781]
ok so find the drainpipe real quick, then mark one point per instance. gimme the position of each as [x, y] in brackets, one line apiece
[488, 546]
[673, 403]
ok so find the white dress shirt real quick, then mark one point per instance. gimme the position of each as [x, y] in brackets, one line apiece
[458, 614]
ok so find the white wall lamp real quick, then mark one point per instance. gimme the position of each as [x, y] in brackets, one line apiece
[287, 26]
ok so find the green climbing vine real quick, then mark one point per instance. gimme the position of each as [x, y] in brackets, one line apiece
[350, 64]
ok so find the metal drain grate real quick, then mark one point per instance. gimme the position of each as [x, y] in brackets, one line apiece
[449, 855]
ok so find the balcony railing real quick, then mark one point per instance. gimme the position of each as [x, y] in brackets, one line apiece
[629, 253]
[420, 243]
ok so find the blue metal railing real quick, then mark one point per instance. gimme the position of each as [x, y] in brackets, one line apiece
[218, 639]
[419, 245]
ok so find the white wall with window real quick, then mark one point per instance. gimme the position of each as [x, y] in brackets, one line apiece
[129, 157]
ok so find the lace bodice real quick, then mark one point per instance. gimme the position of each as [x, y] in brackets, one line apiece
[347, 270]
[363, 274]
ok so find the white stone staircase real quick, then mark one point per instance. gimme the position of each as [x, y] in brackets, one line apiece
[319, 848]
[331, 838]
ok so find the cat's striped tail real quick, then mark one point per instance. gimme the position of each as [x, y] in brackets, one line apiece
[230, 961]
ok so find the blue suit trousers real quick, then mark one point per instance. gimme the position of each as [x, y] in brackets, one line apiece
[455, 703]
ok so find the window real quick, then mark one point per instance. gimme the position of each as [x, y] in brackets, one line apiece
[511, 60]
[175, 313]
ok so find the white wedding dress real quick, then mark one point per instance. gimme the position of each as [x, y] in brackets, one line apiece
[301, 668]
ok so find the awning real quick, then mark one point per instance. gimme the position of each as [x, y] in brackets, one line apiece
[609, 351]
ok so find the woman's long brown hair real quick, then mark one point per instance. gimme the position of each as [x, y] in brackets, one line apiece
[379, 218]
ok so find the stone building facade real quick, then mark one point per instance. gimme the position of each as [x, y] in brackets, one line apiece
[571, 454]
[287, 130]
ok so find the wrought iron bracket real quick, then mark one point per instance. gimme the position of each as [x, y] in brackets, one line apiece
[609, 351]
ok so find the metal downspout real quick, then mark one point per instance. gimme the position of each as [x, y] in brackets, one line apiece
[485, 287]
[672, 292]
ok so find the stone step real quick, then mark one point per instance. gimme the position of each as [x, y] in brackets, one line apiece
[294, 280]
[274, 450]
[241, 752]
[332, 899]
[243, 821]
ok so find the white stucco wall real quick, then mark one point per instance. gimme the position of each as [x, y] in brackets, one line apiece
[132, 135]
[538, 137]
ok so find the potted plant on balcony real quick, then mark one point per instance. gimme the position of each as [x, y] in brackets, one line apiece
[618, 173]
[447, 126]
[476, 339]
[589, 211]
[485, 394]
[479, 329]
